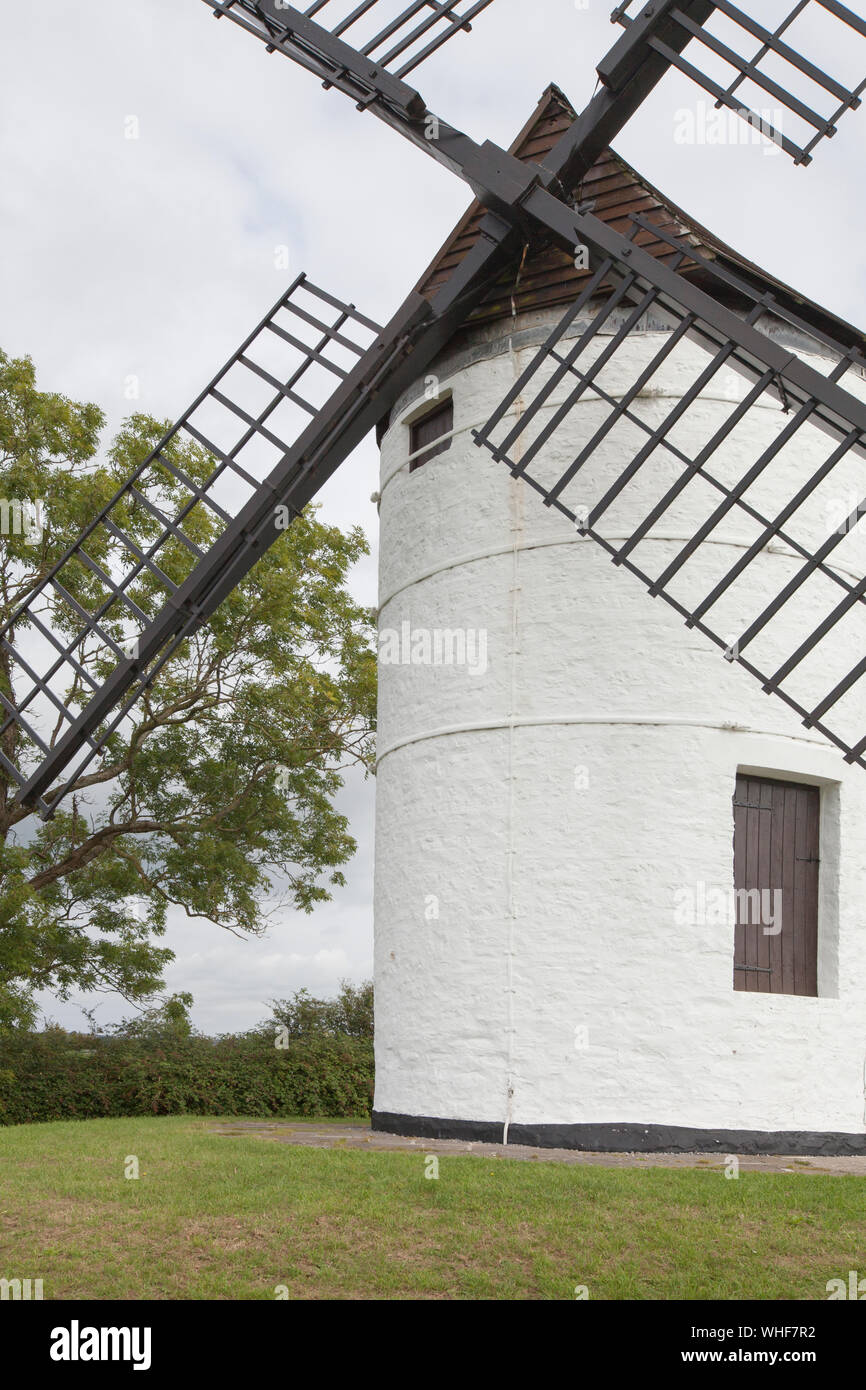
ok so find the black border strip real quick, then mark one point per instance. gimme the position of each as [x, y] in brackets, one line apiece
[627, 1138]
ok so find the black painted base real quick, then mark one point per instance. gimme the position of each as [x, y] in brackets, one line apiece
[628, 1138]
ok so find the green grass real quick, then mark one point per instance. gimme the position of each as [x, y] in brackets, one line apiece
[233, 1217]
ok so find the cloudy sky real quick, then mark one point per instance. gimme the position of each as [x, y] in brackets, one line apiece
[154, 256]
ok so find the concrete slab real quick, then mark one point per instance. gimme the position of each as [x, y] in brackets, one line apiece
[327, 1135]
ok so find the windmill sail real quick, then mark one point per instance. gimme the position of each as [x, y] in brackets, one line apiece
[109, 614]
[673, 435]
[289, 406]
[368, 53]
[749, 67]
[386, 40]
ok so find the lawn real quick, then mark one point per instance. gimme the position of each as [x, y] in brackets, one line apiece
[235, 1217]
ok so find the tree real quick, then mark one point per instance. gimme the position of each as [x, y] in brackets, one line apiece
[218, 793]
[165, 1022]
[349, 1015]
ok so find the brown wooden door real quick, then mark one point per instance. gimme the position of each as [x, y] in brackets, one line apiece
[776, 857]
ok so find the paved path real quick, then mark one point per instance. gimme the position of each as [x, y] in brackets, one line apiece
[328, 1135]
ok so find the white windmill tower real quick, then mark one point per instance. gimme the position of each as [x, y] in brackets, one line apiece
[619, 890]
[562, 767]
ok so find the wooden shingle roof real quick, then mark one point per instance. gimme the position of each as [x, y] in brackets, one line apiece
[545, 275]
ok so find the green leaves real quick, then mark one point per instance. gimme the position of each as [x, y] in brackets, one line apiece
[218, 793]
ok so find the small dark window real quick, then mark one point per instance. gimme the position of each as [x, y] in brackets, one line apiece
[428, 430]
[776, 861]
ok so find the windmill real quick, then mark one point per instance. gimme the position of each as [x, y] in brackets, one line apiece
[683, 415]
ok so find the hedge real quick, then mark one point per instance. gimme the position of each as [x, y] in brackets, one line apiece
[65, 1076]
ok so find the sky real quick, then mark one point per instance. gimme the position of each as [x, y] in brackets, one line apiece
[159, 167]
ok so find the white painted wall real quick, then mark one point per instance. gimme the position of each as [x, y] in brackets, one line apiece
[556, 901]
